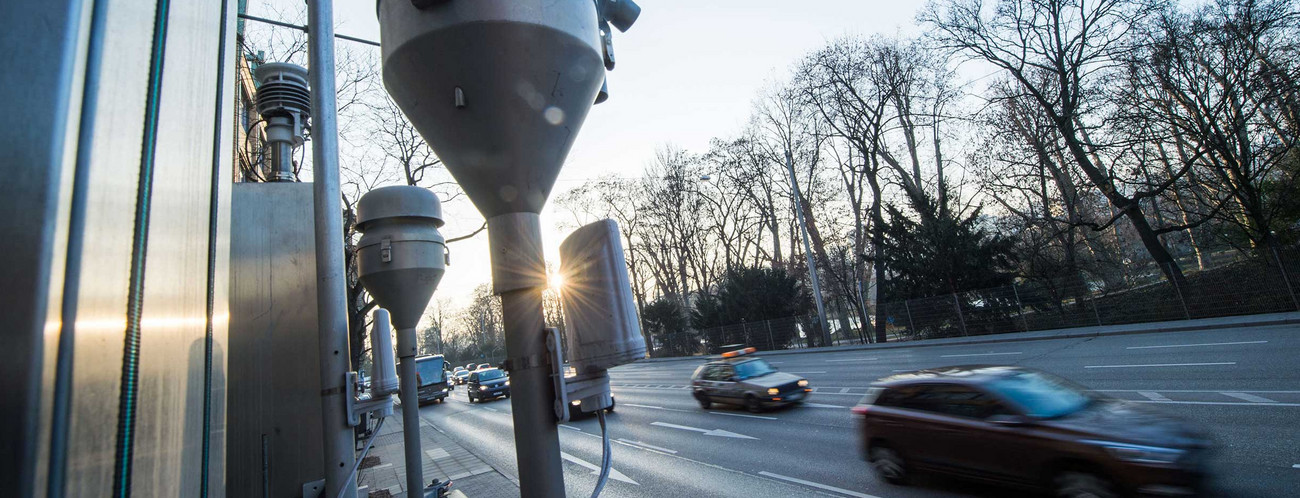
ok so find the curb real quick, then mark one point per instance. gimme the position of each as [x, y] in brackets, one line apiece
[1266, 320]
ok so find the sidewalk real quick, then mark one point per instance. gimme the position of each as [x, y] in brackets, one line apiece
[1262, 320]
[383, 472]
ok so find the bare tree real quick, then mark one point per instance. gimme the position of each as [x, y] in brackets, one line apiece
[1076, 44]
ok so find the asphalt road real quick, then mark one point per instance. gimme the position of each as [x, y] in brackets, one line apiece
[1241, 384]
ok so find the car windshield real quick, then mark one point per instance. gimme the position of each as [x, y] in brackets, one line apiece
[752, 368]
[1042, 395]
[429, 371]
[490, 374]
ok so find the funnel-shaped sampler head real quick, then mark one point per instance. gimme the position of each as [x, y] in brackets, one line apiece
[401, 256]
[498, 88]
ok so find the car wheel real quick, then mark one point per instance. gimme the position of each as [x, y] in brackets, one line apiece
[704, 400]
[1078, 484]
[752, 404]
[888, 464]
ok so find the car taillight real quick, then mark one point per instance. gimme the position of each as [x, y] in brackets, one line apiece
[861, 410]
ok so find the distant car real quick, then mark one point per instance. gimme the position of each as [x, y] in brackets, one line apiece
[459, 375]
[483, 366]
[736, 377]
[1026, 428]
[471, 366]
[432, 379]
[487, 383]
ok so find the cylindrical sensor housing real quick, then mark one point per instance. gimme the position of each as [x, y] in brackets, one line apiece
[601, 326]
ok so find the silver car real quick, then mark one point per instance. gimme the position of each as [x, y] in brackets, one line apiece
[740, 379]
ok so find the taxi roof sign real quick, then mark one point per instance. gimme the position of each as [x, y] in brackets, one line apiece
[739, 352]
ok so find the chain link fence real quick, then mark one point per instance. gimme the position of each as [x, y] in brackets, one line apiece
[1263, 281]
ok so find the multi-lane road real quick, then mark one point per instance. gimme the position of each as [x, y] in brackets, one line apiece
[1242, 384]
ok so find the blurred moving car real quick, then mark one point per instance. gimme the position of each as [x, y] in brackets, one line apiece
[736, 377]
[487, 383]
[1022, 427]
[460, 375]
[432, 379]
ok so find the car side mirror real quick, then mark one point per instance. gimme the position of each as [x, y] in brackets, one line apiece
[1009, 420]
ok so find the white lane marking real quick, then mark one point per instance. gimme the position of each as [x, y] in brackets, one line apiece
[634, 405]
[805, 373]
[1164, 365]
[817, 485]
[1219, 403]
[595, 469]
[1250, 397]
[819, 405]
[1193, 391]
[706, 432]
[746, 416]
[649, 446]
[979, 354]
[819, 392]
[494, 410]
[852, 359]
[1296, 466]
[1194, 345]
[1153, 396]
[570, 427]
[844, 390]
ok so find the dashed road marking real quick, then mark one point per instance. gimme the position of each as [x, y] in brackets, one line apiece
[595, 469]
[817, 485]
[981, 354]
[652, 407]
[851, 359]
[570, 427]
[1153, 396]
[706, 432]
[1194, 345]
[645, 446]
[819, 405]
[745, 416]
[1164, 365]
[1249, 397]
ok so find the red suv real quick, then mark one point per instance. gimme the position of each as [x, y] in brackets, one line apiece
[1027, 428]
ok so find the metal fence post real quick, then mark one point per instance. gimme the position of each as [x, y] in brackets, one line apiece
[961, 319]
[1020, 308]
[745, 330]
[911, 326]
[771, 343]
[1186, 313]
[1286, 279]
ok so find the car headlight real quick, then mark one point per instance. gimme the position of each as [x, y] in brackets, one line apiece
[507, 382]
[482, 388]
[1138, 453]
[803, 383]
[773, 391]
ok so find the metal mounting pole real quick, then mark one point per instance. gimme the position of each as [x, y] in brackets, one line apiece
[518, 276]
[807, 251]
[331, 298]
[410, 389]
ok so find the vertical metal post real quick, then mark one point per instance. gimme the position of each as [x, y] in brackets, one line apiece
[1181, 300]
[1092, 299]
[911, 326]
[960, 319]
[807, 250]
[1286, 279]
[331, 299]
[1020, 308]
[745, 330]
[410, 393]
[518, 276]
[771, 343]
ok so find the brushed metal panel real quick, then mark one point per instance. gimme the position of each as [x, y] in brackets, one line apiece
[168, 436]
[106, 256]
[274, 380]
[34, 203]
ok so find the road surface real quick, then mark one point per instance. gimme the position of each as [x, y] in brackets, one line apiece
[1242, 384]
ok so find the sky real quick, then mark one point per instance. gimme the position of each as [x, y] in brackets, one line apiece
[687, 71]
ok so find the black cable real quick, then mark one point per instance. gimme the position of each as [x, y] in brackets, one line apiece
[213, 214]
